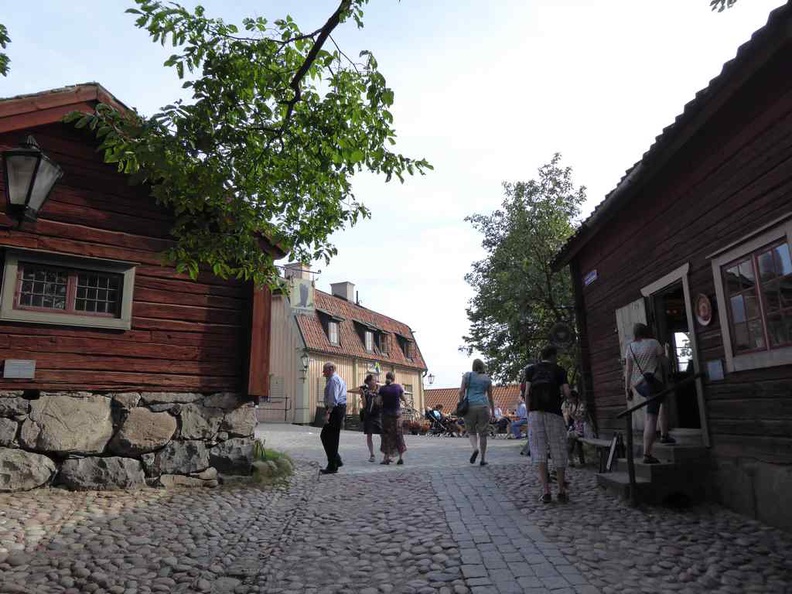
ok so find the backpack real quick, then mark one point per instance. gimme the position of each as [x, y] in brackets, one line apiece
[544, 391]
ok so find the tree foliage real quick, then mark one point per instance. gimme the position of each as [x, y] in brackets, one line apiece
[721, 5]
[519, 298]
[4, 41]
[277, 126]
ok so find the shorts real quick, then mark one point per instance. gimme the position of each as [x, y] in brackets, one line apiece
[548, 434]
[477, 420]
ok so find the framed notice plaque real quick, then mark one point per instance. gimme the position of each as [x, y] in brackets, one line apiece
[703, 308]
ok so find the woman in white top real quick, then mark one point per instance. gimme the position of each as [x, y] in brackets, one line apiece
[646, 355]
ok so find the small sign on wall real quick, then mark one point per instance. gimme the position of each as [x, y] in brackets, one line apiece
[590, 277]
[19, 369]
[715, 370]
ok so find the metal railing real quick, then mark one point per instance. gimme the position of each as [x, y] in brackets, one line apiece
[628, 415]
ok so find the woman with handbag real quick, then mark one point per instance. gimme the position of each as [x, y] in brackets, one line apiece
[370, 413]
[477, 407]
[644, 359]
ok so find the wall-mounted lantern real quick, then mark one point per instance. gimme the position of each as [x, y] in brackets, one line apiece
[30, 176]
[304, 361]
[431, 378]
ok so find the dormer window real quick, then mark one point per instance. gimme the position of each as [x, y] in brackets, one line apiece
[406, 347]
[332, 333]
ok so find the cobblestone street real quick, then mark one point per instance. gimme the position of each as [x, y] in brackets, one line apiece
[436, 524]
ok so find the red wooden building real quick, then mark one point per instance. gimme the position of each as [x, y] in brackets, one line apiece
[695, 240]
[89, 306]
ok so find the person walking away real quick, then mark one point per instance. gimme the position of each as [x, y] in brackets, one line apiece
[392, 395]
[335, 396]
[521, 420]
[477, 386]
[372, 413]
[545, 382]
[575, 419]
[645, 355]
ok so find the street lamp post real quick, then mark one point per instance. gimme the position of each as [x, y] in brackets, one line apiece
[29, 176]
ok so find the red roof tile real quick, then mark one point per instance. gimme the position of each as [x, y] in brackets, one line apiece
[505, 397]
[351, 344]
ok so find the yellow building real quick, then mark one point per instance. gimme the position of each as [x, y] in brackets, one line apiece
[310, 327]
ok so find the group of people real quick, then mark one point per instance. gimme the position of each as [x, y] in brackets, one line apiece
[381, 407]
[554, 414]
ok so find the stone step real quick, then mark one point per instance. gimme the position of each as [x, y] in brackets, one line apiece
[619, 483]
[650, 472]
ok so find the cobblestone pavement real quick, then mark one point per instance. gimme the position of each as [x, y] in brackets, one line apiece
[436, 524]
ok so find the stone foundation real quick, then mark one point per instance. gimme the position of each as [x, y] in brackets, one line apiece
[754, 488]
[84, 440]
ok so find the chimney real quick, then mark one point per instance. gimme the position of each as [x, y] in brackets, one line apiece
[345, 290]
[296, 270]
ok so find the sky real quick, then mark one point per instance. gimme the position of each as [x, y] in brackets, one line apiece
[487, 91]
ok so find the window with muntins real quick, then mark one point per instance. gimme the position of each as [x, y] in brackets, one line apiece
[49, 288]
[758, 291]
[369, 340]
[55, 289]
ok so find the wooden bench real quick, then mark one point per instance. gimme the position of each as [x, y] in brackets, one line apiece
[603, 448]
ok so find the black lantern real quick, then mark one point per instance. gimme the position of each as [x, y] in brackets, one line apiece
[30, 176]
[431, 378]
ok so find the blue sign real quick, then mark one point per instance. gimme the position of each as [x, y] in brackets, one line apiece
[590, 278]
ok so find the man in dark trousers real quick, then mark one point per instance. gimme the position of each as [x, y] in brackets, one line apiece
[335, 396]
[545, 382]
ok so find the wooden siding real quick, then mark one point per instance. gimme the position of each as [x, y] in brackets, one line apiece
[733, 176]
[185, 335]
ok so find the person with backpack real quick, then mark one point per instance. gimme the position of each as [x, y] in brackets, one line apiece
[545, 383]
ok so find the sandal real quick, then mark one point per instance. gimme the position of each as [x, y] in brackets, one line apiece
[385, 462]
[372, 458]
[546, 498]
[651, 460]
[482, 463]
[400, 462]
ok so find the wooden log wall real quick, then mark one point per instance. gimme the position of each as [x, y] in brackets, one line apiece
[186, 335]
[732, 177]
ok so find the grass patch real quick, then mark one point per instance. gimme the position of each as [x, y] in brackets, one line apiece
[270, 466]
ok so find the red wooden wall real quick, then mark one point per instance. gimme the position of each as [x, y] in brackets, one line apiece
[732, 177]
[185, 335]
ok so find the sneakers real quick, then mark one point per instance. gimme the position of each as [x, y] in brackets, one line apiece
[372, 458]
[473, 457]
[562, 497]
[400, 462]
[482, 463]
[667, 439]
[651, 460]
[328, 470]
[546, 498]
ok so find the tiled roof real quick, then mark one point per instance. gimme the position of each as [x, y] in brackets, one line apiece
[505, 397]
[669, 139]
[351, 344]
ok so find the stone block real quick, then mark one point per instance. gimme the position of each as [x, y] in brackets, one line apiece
[12, 406]
[178, 480]
[11, 393]
[240, 422]
[8, 431]
[100, 473]
[178, 457]
[173, 408]
[234, 456]
[199, 422]
[169, 397]
[770, 481]
[734, 486]
[67, 424]
[22, 471]
[225, 400]
[143, 431]
[126, 399]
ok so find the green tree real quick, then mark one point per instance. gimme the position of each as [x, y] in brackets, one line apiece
[4, 41]
[519, 298]
[277, 126]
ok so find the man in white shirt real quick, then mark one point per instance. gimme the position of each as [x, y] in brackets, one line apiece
[521, 420]
[335, 396]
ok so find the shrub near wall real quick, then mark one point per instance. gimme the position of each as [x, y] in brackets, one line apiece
[85, 440]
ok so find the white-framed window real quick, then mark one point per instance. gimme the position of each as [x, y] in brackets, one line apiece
[369, 340]
[44, 288]
[332, 332]
[753, 284]
[408, 394]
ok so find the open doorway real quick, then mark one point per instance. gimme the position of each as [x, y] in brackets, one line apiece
[668, 318]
